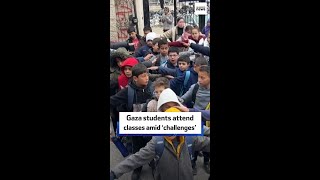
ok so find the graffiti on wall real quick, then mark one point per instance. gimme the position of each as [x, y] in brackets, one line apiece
[124, 8]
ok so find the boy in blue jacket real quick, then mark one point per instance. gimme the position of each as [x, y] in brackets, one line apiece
[181, 84]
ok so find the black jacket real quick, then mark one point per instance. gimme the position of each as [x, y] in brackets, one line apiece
[119, 101]
[200, 49]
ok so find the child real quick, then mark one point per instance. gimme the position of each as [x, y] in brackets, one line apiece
[144, 50]
[126, 74]
[122, 102]
[174, 162]
[199, 94]
[164, 47]
[116, 59]
[196, 36]
[184, 37]
[173, 58]
[135, 41]
[159, 85]
[181, 84]
[167, 19]
[205, 50]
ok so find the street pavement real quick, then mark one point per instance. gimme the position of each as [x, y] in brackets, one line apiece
[146, 174]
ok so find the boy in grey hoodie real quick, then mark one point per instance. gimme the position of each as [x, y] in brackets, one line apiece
[201, 102]
[175, 161]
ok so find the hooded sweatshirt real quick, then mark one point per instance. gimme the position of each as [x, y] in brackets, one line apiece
[167, 95]
[171, 166]
[202, 97]
[123, 79]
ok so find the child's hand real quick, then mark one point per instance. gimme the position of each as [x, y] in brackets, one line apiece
[154, 61]
[153, 68]
[169, 76]
[147, 58]
[182, 108]
[186, 44]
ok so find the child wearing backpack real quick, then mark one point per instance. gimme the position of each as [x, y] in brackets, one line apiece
[199, 95]
[181, 84]
[172, 154]
[132, 99]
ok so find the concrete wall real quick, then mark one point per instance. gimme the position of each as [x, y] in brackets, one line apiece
[120, 10]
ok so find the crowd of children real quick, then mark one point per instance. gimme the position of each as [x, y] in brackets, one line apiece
[167, 72]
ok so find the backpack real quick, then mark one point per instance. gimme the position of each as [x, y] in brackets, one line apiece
[194, 92]
[160, 147]
[131, 94]
[186, 79]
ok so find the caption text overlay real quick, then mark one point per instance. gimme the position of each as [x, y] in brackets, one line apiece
[160, 123]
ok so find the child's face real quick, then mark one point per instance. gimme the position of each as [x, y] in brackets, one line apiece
[158, 90]
[146, 32]
[119, 62]
[173, 57]
[142, 80]
[164, 48]
[183, 66]
[155, 48]
[196, 68]
[195, 34]
[166, 10]
[127, 71]
[168, 105]
[203, 79]
[149, 43]
[133, 35]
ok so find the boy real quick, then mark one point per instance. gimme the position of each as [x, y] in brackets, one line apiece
[164, 47]
[145, 50]
[135, 41]
[199, 94]
[126, 69]
[173, 58]
[181, 84]
[159, 85]
[121, 102]
[174, 161]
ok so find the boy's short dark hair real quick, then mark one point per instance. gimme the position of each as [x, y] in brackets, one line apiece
[162, 41]
[139, 69]
[161, 81]
[173, 49]
[188, 28]
[184, 58]
[147, 28]
[155, 41]
[205, 68]
[200, 61]
[131, 29]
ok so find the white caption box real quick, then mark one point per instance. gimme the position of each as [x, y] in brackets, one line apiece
[160, 123]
